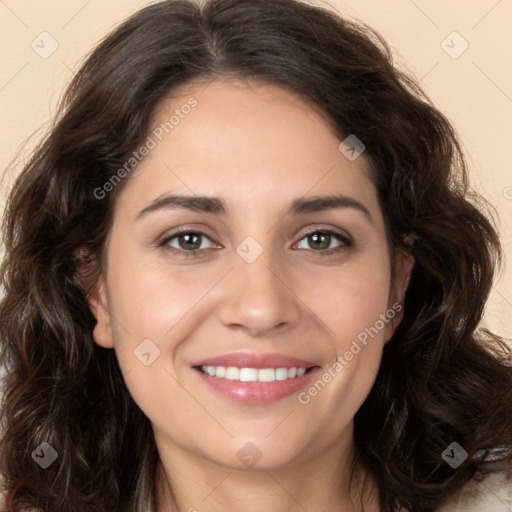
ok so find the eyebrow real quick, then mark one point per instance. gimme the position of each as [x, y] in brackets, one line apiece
[217, 205]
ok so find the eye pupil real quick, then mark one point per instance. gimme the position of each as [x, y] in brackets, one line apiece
[190, 237]
[316, 238]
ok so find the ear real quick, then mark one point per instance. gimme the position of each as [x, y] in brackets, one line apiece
[97, 297]
[404, 263]
[98, 302]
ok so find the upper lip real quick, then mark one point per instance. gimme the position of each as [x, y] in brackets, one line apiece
[252, 360]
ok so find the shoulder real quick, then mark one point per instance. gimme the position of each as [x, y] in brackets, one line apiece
[492, 493]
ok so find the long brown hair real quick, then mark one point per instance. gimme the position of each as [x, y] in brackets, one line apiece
[442, 379]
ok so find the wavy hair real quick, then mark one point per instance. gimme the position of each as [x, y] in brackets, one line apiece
[443, 377]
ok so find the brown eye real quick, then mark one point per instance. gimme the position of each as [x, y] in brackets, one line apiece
[320, 241]
[189, 241]
[186, 242]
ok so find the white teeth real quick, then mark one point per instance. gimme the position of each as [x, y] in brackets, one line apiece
[220, 371]
[253, 374]
[266, 375]
[248, 374]
[281, 373]
[231, 373]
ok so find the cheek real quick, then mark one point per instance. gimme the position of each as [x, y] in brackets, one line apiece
[155, 301]
[354, 309]
[349, 300]
[353, 312]
[156, 309]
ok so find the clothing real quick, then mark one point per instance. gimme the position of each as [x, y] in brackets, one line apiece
[493, 494]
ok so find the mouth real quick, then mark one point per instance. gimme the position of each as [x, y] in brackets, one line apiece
[255, 386]
[249, 374]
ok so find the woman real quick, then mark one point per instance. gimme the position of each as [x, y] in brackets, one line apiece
[245, 271]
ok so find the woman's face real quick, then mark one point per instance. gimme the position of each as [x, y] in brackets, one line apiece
[276, 275]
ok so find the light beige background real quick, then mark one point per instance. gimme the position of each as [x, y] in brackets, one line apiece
[474, 90]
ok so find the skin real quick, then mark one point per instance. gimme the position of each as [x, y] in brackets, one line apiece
[258, 147]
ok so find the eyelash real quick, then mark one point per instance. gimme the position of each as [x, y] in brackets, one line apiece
[346, 242]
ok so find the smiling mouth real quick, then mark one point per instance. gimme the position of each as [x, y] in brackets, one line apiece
[253, 374]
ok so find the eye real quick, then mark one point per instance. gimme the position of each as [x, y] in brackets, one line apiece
[189, 243]
[320, 241]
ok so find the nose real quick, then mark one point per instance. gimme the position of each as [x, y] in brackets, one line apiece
[257, 297]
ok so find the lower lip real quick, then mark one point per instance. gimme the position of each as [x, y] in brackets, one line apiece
[257, 392]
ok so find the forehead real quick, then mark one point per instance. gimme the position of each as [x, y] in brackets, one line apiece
[248, 142]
